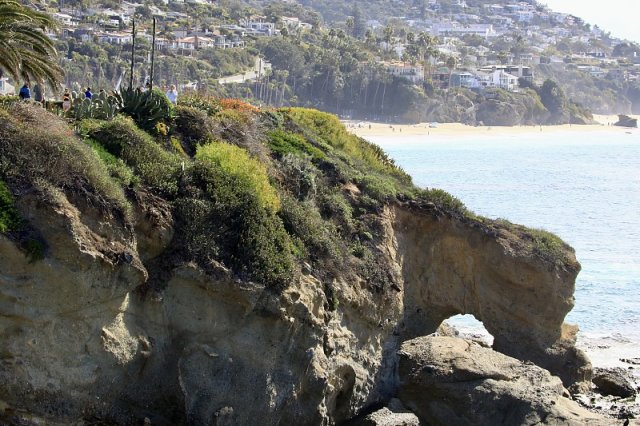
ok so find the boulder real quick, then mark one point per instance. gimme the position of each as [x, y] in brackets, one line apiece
[394, 414]
[626, 121]
[451, 381]
[613, 382]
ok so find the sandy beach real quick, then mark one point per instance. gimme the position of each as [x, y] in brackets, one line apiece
[366, 128]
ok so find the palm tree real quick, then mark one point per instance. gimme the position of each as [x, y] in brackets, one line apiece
[26, 52]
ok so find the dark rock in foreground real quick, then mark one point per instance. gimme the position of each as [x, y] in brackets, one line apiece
[451, 381]
[613, 382]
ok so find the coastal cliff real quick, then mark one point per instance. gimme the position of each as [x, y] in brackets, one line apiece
[202, 296]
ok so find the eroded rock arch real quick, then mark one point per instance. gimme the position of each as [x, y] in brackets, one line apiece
[455, 266]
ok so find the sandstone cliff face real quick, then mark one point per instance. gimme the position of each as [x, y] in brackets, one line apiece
[79, 338]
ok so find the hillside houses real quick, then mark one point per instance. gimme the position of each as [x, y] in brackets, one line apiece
[111, 26]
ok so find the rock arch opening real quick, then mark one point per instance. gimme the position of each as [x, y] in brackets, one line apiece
[469, 327]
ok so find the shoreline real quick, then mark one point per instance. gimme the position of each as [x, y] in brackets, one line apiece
[449, 130]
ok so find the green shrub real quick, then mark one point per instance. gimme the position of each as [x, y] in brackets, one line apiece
[444, 199]
[382, 189]
[9, 217]
[237, 220]
[37, 146]
[156, 168]
[282, 143]
[548, 245]
[303, 221]
[329, 128]
[299, 176]
[208, 105]
[193, 124]
[334, 206]
[248, 174]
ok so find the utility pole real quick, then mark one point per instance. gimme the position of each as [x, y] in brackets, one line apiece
[153, 52]
[133, 52]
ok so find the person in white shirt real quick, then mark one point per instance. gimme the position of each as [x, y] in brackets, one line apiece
[172, 94]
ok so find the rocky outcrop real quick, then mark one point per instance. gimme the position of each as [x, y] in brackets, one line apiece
[626, 121]
[613, 382]
[83, 335]
[451, 266]
[447, 380]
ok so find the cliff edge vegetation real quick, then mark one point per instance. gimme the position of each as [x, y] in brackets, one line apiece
[232, 263]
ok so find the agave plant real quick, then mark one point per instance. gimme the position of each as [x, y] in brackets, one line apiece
[147, 108]
[102, 106]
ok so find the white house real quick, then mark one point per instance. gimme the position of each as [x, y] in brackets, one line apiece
[413, 73]
[6, 88]
[457, 30]
[65, 20]
[503, 80]
[115, 38]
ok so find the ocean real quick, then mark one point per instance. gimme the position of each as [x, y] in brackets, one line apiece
[583, 186]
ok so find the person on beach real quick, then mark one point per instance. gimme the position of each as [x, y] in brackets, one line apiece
[172, 94]
[25, 92]
[38, 93]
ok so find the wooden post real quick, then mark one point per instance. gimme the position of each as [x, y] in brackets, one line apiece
[153, 52]
[133, 52]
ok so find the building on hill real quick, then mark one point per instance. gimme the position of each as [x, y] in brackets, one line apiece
[413, 73]
[519, 71]
[464, 79]
[454, 29]
[6, 88]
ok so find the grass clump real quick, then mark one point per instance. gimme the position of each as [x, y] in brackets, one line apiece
[116, 167]
[548, 245]
[36, 146]
[539, 242]
[248, 174]
[9, 217]
[282, 143]
[156, 167]
[444, 199]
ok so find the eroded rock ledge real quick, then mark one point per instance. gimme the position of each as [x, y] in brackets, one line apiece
[78, 339]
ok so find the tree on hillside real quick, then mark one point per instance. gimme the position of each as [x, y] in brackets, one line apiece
[553, 99]
[26, 52]
[359, 26]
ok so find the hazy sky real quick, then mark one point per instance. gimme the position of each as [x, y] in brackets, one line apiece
[620, 17]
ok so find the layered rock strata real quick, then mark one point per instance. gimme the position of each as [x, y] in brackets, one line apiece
[80, 338]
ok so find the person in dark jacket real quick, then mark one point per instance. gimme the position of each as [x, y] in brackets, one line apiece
[88, 93]
[38, 93]
[25, 93]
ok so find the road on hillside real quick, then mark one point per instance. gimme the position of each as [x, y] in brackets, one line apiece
[259, 69]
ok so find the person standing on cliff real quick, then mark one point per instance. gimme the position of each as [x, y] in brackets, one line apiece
[172, 94]
[25, 92]
[66, 100]
[38, 93]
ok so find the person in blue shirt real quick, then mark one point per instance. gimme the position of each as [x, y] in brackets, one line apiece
[25, 93]
[88, 93]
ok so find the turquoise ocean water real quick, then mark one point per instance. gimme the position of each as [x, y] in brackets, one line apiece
[585, 187]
